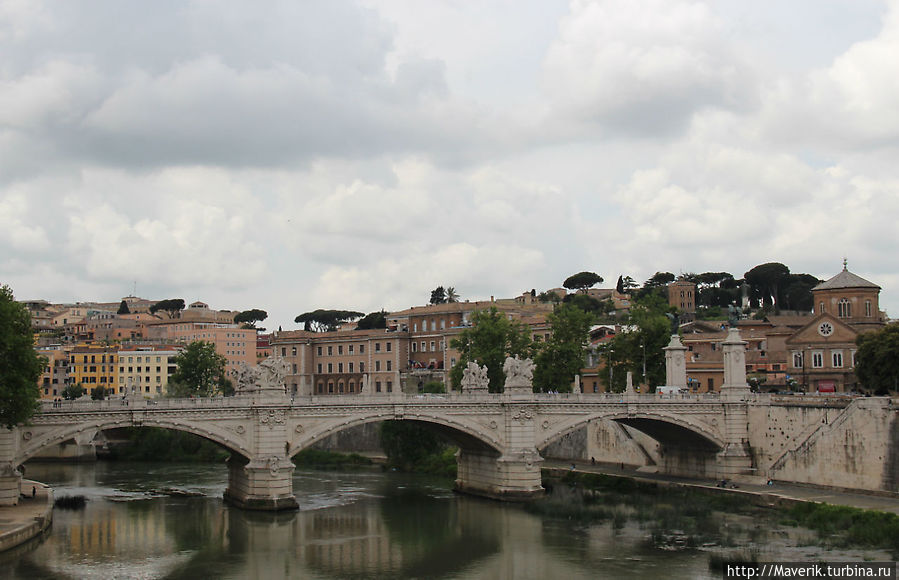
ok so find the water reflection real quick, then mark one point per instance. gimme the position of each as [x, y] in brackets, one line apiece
[356, 525]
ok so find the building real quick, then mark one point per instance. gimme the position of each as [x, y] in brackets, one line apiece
[822, 352]
[682, 295]
[55, 375]
[146, 369]
[93, 366]
[237, 345]
[343, 362]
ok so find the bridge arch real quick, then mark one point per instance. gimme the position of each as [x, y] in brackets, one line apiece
[37, 438]
[666, 429]
[466, 434]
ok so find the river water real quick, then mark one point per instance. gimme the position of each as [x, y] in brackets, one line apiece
[361, 524]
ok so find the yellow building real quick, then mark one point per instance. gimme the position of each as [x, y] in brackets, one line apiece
[94, 366]
[146, 369]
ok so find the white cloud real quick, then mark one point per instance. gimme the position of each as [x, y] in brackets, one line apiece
[15, 228]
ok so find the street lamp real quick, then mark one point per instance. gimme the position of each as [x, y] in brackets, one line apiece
[611, 369]
[643, 346]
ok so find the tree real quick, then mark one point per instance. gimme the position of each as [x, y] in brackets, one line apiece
[72, 392]
[123, 308]
[373, 320]
[200, 372]
[407, 443]
[877, 360]
[489, 341]
[326, 320]
[561, 357]
[797, 292]
[99, 393]
[249, 318]
[172, 306]
[582, 281]
[655, 283]
[766, 280]
[451, 294]
[438, 295]
[650, 332]
[20, 366]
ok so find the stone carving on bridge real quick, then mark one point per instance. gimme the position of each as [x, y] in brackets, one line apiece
[519, 375]
[474, 378]
[265, 378]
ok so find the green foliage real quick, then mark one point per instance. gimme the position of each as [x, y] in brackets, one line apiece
[626, 351]
[845, 525]
[373, 320]
[249, 318]
[546, 296]
[156, 444]
[582, 281]
[877, 359]
[72, 392]
[171, 306]
[329, 459]
[561, 357]
[100, 393]
[451, 294]
[322, 320]
[489, 341]
[433, 387]
[123, 308]
[20, 366]
[438, 295]
[200, 373]
[409, 445]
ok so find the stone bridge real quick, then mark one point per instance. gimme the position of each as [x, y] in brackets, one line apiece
[500, 437]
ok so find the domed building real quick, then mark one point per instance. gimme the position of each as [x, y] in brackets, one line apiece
[822, 353]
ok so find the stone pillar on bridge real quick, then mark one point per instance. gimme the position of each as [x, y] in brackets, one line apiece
[735, 459]
[10, 478]
[263, 479]
[514, 473]
[675, 363]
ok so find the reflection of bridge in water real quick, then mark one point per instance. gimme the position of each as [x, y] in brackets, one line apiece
[500, 436]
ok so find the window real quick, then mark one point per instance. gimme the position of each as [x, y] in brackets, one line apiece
[293, 351]
[350, 349]
[821, 307]
[361, 349]
[283, 352]
[389, 365]
[340, 387]
[339, 367]
[433, 347]
[836, 356]
[330, 350]
[377, 365]
[844, 308]
[388, 346]
[294, 368]
[414, 347]
[817, 360]
[331, 387]
[339, 349]
[330, 367]
[377, 347]
[350, 368]
[319, 351]
[377, 386]
[433, 325]
[852, 358]
[362, 367]
[415, 327]
[868, 308]
[389, 386]
[424, 346]
[442, 323]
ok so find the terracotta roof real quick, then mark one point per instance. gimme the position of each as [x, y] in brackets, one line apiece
[845, 279]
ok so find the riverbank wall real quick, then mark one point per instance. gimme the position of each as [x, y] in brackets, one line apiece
[30, 518]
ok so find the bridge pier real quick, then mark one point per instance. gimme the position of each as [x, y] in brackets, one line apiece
[264, 485]
[10, 478]
[511, 477]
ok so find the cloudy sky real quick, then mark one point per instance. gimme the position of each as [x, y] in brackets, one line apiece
[298, 155]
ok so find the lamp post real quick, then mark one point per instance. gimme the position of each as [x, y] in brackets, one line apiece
[611, 369]
[643, 346]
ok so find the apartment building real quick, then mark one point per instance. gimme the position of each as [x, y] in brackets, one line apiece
[94, 366]
[146, 370]
[55, 375]
[237, 345]
[343, 362]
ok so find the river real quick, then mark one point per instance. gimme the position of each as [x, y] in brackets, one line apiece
[360, 524]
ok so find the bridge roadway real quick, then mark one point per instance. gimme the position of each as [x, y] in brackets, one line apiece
[499, 435]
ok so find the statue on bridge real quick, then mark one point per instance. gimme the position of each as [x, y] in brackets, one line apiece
[474, 378]
[519, 375]
[267, 376]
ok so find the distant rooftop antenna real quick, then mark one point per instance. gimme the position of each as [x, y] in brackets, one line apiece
[845, 263]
